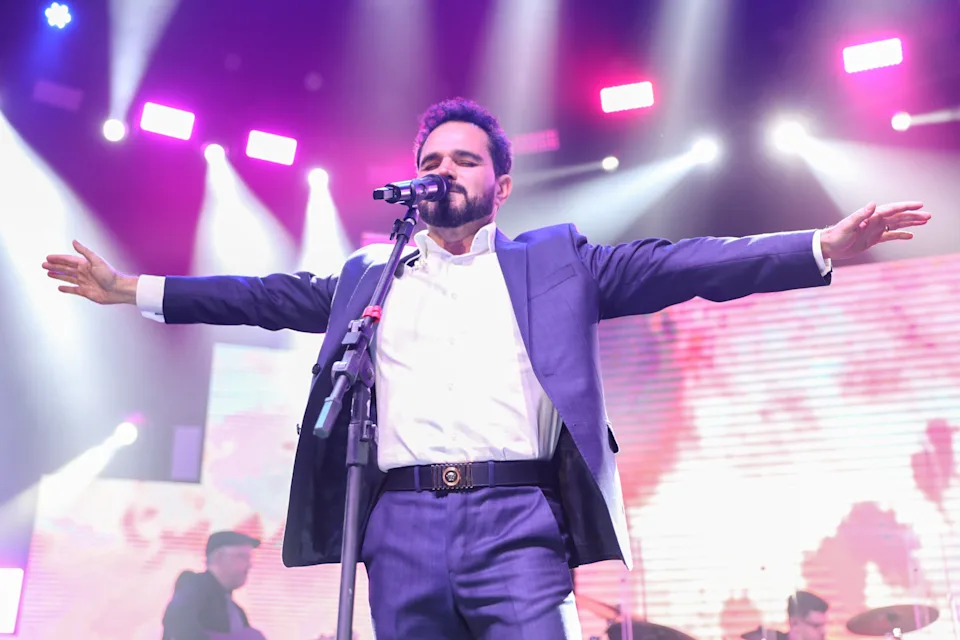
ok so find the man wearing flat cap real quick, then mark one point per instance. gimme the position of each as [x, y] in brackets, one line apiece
[202, 607]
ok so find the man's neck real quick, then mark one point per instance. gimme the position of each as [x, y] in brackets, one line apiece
[459, 240]
[218, 579]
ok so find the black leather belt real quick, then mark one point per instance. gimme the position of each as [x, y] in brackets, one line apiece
[467, 475]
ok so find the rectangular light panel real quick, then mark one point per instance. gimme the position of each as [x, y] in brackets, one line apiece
[11, 586]
[536, 142]
[638, 95]
[873, 55]
[167, 121]
[271, 147]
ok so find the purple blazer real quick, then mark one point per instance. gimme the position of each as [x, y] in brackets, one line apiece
[561, 287]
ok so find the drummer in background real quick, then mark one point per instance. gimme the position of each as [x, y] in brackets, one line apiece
[807, 614]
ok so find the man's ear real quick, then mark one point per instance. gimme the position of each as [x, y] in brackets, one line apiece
[504, 187]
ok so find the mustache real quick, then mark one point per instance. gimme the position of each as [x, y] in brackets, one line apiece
[456, 188]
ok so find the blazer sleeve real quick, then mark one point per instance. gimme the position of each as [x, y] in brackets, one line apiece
[648, 275]
[181, 620]
[299, 301]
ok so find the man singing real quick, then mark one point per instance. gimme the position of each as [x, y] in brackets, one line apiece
[487, 375]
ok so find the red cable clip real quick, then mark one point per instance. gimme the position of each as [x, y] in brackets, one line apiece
[374, 312]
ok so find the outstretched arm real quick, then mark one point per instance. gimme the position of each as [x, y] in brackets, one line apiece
[649, 275]
[300, 301]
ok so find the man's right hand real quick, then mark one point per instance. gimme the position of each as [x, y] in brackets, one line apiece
[91, 277]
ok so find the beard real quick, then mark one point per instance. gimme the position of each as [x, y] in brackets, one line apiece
[447, 215]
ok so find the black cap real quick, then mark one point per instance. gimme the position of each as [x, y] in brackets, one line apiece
[229, 539]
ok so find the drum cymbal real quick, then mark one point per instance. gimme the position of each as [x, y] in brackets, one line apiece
[763, 633]
[880, 622]
[646, 631]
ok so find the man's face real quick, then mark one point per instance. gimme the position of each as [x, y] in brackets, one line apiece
[231, 563]
[812, 626]
[460, 152]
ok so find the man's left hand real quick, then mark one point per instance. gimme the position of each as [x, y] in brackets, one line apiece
[870, 226]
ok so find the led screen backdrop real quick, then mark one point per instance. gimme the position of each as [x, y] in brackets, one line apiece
[797, 440]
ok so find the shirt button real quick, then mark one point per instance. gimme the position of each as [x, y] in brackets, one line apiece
[453, 295]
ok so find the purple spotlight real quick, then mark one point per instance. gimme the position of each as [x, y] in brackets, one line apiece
[271, 147]
[873, 55]
[11, 586]
[167, 121]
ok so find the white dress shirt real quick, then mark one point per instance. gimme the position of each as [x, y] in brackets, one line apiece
[454, 380]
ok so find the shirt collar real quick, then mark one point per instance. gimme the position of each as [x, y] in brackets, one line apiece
[483, 242]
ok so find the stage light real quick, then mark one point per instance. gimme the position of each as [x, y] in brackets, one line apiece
[214, 153]
[125, 434]
[318, 178]
[789, 137]
[625, 97]
[167, 121]
[610, 163]
[114, 130]
[11, 588]
[873, 55]
[705, 151]
[901, 121]
[58, 15]
[536, 142]
[271, 147]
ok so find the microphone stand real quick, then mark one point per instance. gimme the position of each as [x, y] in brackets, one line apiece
[355, 373]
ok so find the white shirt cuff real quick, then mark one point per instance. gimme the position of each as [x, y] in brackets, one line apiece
[150, 297]
[825, 264]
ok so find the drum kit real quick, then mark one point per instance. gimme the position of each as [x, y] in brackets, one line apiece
[638, 629]
[885, 622]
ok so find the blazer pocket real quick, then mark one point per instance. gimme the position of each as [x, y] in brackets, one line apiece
[551, 280]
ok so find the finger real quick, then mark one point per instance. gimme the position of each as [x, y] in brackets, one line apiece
[892, 208]
[85, 252]
[861, 216]
[72, 261]
[920, 216]
[62, 276]
[896, 235]
[874, 221]
[60, 268]
[904, 220]
[900, 224]
[74, 290]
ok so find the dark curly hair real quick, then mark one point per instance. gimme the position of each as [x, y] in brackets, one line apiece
[463, 110]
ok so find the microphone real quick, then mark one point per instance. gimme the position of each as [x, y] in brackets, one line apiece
[412, 192]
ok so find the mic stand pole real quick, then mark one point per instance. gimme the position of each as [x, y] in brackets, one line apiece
[355, 374]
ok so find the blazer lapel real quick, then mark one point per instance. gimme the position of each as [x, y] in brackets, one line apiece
[368, 281]
[513, 263]
[364, 290]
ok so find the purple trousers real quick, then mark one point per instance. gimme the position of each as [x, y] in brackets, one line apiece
[484, 564]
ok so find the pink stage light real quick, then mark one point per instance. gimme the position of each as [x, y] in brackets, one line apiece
[167, 121]
[11, 587]
[873, 55]
[271, 147]
[638, 95]
[536, 142]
